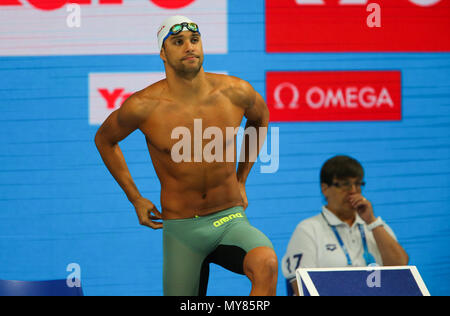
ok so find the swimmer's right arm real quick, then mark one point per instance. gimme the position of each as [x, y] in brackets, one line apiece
[117, 127]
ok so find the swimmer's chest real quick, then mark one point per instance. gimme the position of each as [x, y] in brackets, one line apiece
[169, 121]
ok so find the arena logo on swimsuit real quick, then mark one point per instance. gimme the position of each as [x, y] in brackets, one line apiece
[342, 26]
[226, 219]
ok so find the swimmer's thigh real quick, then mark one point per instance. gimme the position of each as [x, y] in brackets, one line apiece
[181, 268]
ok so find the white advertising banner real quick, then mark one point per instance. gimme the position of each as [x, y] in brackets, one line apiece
[103, 27]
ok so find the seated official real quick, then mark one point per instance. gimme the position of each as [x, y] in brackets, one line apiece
[346, 233]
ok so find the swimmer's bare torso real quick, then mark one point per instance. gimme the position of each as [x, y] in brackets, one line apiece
[189, 187]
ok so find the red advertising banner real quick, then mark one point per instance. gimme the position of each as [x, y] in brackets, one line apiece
[357, 26]
[334, 96]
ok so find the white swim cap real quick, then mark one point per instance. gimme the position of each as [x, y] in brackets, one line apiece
[164, 29]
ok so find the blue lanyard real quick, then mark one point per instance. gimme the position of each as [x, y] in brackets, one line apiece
[367, 255]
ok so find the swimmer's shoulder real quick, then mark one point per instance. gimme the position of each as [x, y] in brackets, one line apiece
[140, 104]
[239, 91]
[228, 81]
[147, 99]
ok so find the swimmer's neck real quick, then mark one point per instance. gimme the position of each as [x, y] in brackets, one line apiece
[187, 87]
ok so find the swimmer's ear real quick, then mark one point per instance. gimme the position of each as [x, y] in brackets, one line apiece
[162, 53]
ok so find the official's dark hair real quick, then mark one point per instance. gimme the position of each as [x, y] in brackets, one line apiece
[340, 167]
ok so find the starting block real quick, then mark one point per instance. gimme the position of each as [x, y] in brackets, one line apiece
[362, 281]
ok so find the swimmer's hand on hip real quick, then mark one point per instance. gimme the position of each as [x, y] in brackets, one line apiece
[147, 213]
[243, 194]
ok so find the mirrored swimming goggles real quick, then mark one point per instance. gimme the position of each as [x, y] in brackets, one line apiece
[177, 28]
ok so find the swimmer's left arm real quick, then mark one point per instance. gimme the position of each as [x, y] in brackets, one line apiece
[257, 115]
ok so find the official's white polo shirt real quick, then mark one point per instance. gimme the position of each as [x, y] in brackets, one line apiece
[314, 244]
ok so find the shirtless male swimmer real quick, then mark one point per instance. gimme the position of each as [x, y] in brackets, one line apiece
[202, 202]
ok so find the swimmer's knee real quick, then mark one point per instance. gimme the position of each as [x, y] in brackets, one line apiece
[261, 263]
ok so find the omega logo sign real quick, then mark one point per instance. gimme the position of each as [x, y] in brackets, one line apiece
[309, 96]
[317, 97]
[295, 95]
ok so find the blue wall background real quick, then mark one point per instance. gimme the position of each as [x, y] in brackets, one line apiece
[59, 204]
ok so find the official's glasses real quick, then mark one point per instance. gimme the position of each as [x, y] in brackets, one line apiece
[347, 185]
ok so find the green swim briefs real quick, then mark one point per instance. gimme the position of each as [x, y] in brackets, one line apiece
[190, 245]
